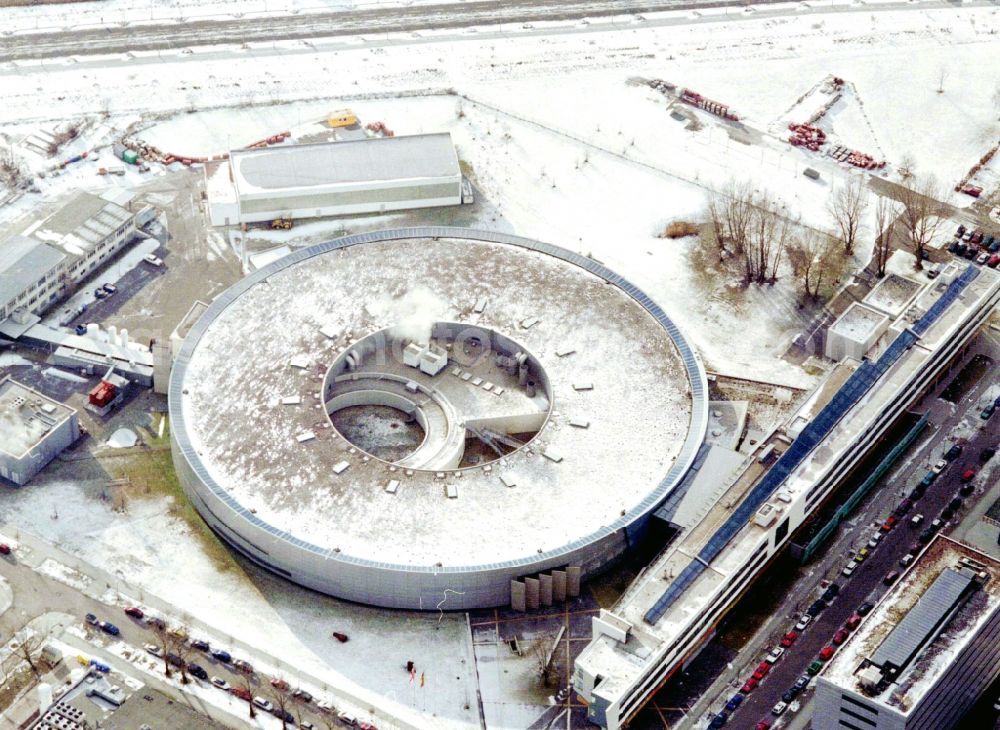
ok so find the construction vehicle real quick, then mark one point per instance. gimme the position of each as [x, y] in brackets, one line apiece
[281, 224]
[343, 118]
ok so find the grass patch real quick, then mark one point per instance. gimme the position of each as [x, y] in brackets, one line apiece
[150, 474]
[679, 229]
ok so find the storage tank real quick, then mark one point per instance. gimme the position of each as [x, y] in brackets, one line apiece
[44, 696]
[130, 157]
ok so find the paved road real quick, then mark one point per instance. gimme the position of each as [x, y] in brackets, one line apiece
[162, 36]
[37, 594]
[866, 583]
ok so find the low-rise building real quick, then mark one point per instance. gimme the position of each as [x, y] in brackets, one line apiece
[924, 655]
[34, 429]
[31, 276]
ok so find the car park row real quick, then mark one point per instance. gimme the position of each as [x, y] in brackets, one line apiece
[178, 637]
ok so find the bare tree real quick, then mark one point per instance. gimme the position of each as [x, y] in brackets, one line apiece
[26, 643]
[811, 259]
[942, 75]
[750, 227]
[921, 214]
[245, 684]
[540, 655]
[281, 702]
[163, 643]
[907, 166]
[886, 213]
[179, 644]
[848, 205]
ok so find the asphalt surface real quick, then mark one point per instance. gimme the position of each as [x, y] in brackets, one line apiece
[867, 581]
[37, 594]
[163, 36]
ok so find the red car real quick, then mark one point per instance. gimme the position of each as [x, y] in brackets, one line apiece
[134, 612]
[342, 638]
[749, 686]
[789, 639]
[968, 474]
[4, 548]
[852, 622]
[242, 692]
[841, 636]
[764, 667]
[279, 683]
[889, 523]
[763, 725]
[825, 653]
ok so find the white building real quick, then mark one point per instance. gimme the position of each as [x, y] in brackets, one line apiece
[855, 332]
[34, 429]
[31, 276]
[89, 229]
[669, 613]
[923, 656]
[335, 178]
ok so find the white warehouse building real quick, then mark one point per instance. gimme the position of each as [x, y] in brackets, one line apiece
[335, 178]
[34, 429]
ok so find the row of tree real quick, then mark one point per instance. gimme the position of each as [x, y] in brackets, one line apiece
[754, 231]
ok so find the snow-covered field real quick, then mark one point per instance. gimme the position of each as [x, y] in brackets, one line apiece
[561, 147]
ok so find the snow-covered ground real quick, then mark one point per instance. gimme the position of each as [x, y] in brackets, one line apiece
[563, 148]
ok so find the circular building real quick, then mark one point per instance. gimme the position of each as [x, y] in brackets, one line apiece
[415, 418]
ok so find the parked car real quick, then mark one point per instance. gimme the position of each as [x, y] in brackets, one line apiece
[917, 519]
[849, 569]
[735, 701]
[153, 649]
[278, 712]
[134, 612]
[853, 622]
[953, 453]
[763, 725]
[306, 725]
[955, 503]
[788, 639]
[749, 686]
[994, 258]
[905, 561]
[802, 682]
[302, 696]
[816, 608]
[986, 454]
[719, 720]
[758, 675]
[196, 670]
[831, 592]
[779, 709]
[278, 683]
[222, 656]
[966, 489]
[4, 549]
[982, 258]
[865, 608]
[100, 666]
[841, 636]
[221, 684]
[825, 653]
[939, 466]
[99, 293]
[803, 622]
[109, 628]
[903, 507]
[987, 412]
[152, 260]
[242, 666]
[889, 523]
[341, 637]
[862, 554]
[926, 536]
[242, 692]
[263, 703]
[937, 524]
[199, 644]
[156, 623]
[789, 695]
[109, 288]
[891, 577]
[80, 329]
[875, 540]
[325, 706]
[91, 619]
[814, 667]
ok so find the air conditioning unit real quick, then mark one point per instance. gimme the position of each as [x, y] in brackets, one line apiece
[766, 515]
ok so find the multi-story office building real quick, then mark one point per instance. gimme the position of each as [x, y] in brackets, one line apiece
[923, 656]
[31, 276]
[674, 606]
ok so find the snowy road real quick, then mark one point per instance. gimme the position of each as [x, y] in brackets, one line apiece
[121, 38]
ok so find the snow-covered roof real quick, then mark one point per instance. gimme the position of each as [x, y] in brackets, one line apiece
[902, 609]
[23, 261]
[609, 361]
[26, 417]
[81, 224]
[375, 160]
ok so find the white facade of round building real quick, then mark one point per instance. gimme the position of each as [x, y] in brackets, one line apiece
[615, 394]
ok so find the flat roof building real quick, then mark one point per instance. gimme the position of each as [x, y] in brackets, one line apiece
[925, 653]
[335, 178]
[34, 429]
[676, 603]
